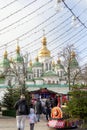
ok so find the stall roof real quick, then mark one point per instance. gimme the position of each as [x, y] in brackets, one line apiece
[43, 90]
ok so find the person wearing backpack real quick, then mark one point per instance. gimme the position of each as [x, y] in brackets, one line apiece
[22, 111]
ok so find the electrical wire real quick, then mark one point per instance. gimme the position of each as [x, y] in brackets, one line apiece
[67, 31]
[8, 4]
[74, 14]
[23, 17]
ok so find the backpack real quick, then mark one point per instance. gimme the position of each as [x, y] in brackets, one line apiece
[21, 108]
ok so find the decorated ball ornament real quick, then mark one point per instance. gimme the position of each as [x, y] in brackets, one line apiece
[56, 112]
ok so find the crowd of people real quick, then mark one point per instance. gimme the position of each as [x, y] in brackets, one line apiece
[34, 111]
[44, 106]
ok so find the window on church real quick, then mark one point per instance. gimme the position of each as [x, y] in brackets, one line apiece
[37, 72]
[18, 69]
[40, 72]
[29, 77]
[49, 82]
[58, 74]
[61, 73]
[46, 66]
[53, 82]
[34, 75]
[57, 82]
[49, 66]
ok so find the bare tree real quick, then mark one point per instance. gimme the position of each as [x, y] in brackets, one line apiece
[70, 63]
[15, 74]
[83, 76]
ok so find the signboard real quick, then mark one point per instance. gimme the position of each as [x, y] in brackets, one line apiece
[56, 123]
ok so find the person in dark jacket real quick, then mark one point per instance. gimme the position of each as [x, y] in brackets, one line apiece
[48, 108]
[22, 111]
[38, 109]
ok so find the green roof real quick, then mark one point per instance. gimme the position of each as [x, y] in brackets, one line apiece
[59, 66]
[2, 80]
[29, 70]
[41, 86]
[50, 73]
[18, 58]
[37, 64]
[5, 63]
[73, 63]
[3, 86]
[47, 85]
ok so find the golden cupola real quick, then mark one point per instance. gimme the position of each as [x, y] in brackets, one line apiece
[53, 63]
[17, 49]
[44, 52]
[73, 54]
[5, 54]
[58, 61]
[30, 63]
[36, 58]
[11, 59]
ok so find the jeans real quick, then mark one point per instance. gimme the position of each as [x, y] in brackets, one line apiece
[48, 113]
[21, 121]
[38, 117]
[32, 126]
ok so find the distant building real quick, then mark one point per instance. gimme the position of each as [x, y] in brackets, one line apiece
[42, 73]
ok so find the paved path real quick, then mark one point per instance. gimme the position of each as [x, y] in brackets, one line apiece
[9, 123]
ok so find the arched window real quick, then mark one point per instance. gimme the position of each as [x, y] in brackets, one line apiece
[46, 66]
[49, 66]
[53, 82]
[57, 82]
[49, 82]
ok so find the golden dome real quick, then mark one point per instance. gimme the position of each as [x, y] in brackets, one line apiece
[44, 40]
[58, 61]
[11, 59]
[30, 63]
[36, 59]
[17, 49]
[53, 63]
[44, 52]
[5, 54]
[73, 54]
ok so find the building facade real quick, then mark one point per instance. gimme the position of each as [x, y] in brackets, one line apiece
[43, 72]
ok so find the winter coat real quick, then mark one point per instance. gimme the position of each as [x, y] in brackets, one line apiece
[32, 116]
[17, 104]
[38, 107]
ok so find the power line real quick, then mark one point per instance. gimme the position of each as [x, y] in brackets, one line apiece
[74, 14]
[8, 4]
[21, 24]
[18, 11]
[24, 17]
[61, 34]
[31, 29]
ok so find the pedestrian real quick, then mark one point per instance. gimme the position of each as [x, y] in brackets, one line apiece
[22, 111]
[32, 118]
[38, 109]
[48, 109]
[43, 106]
[55, 100]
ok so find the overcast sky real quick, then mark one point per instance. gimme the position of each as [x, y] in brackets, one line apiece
[26, 19]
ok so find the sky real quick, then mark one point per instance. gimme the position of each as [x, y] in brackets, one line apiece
[23, 21]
